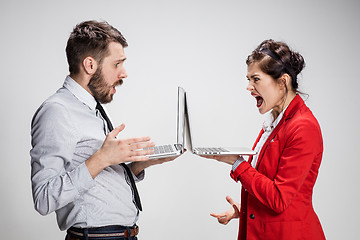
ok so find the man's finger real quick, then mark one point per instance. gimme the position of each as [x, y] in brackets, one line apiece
[137, 158]
[142, 152]
[136, 140]
[116, 130]
[141, 145]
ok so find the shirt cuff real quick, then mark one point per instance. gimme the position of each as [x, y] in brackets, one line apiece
[237, 163]
[139, 177]
[81, 178]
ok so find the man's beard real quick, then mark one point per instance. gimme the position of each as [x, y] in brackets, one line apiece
[100, 90]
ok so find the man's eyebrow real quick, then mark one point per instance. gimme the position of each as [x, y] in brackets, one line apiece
[120, 60]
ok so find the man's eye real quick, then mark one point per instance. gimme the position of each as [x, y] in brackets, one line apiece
[116, 64]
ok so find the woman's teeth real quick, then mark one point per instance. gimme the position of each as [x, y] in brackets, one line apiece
[259, 101]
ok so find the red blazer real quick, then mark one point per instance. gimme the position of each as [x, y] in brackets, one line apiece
[276, 197]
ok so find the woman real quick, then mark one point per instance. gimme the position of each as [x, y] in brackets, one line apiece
[277, 183]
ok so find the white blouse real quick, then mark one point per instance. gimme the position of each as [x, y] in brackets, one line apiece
[269, 125]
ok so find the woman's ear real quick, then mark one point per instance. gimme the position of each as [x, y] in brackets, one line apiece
[90, 65]
[285, 80]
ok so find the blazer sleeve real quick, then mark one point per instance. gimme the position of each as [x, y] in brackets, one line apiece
[302, 144]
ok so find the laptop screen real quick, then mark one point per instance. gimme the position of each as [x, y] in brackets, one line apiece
[181, 117]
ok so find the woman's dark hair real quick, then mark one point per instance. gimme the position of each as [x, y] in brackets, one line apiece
[91, 38]
[276, 58]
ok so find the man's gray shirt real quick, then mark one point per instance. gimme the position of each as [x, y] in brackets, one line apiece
[66, 130]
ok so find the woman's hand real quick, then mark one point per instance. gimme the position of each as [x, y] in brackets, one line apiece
[225, 217]
[229, 159]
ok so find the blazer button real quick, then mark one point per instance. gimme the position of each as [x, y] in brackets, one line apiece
[252, 216]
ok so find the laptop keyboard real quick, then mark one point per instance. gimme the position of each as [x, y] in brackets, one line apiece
[162, 149]
[211, 150]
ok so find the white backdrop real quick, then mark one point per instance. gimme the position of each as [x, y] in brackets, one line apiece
[202, 46]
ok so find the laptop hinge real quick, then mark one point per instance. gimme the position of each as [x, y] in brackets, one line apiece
[178, 147]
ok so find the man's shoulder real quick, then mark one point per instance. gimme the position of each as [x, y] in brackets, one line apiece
[61, 96]
[56, 105]
[61, 99]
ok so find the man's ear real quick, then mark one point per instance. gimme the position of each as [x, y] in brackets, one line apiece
[90, 65]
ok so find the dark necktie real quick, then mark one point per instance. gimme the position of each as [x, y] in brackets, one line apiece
[133, 185]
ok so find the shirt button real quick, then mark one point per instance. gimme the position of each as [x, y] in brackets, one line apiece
[252, 216]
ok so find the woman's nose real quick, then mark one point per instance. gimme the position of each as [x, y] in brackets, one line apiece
[250, 87]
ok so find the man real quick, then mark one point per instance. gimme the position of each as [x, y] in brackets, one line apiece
[77, 162]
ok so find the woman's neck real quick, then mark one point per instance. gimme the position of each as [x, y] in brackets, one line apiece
[288, 98]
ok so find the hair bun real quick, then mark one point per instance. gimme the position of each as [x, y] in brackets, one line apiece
[297, 62]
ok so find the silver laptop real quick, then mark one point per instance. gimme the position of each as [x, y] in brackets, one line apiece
[208, 150]
[172, 150]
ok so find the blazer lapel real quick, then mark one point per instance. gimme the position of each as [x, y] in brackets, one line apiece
[257, 140]
[295, 104]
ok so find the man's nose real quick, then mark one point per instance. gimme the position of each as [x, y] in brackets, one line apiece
[123, 73]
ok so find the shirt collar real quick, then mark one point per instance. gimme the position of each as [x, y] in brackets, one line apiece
[270, 124]
[79, 92]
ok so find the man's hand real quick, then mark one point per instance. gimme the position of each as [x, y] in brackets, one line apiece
[138, 167]
[115, 151]
[232, 213]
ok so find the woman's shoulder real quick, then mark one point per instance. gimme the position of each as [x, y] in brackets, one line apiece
[305, 116]
[303, 123]
[298, 113]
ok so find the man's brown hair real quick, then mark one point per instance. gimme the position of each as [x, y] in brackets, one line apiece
[91, 38]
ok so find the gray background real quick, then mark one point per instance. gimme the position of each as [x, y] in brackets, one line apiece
[202, 46]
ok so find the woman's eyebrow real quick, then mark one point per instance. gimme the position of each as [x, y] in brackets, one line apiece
[252, 76]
